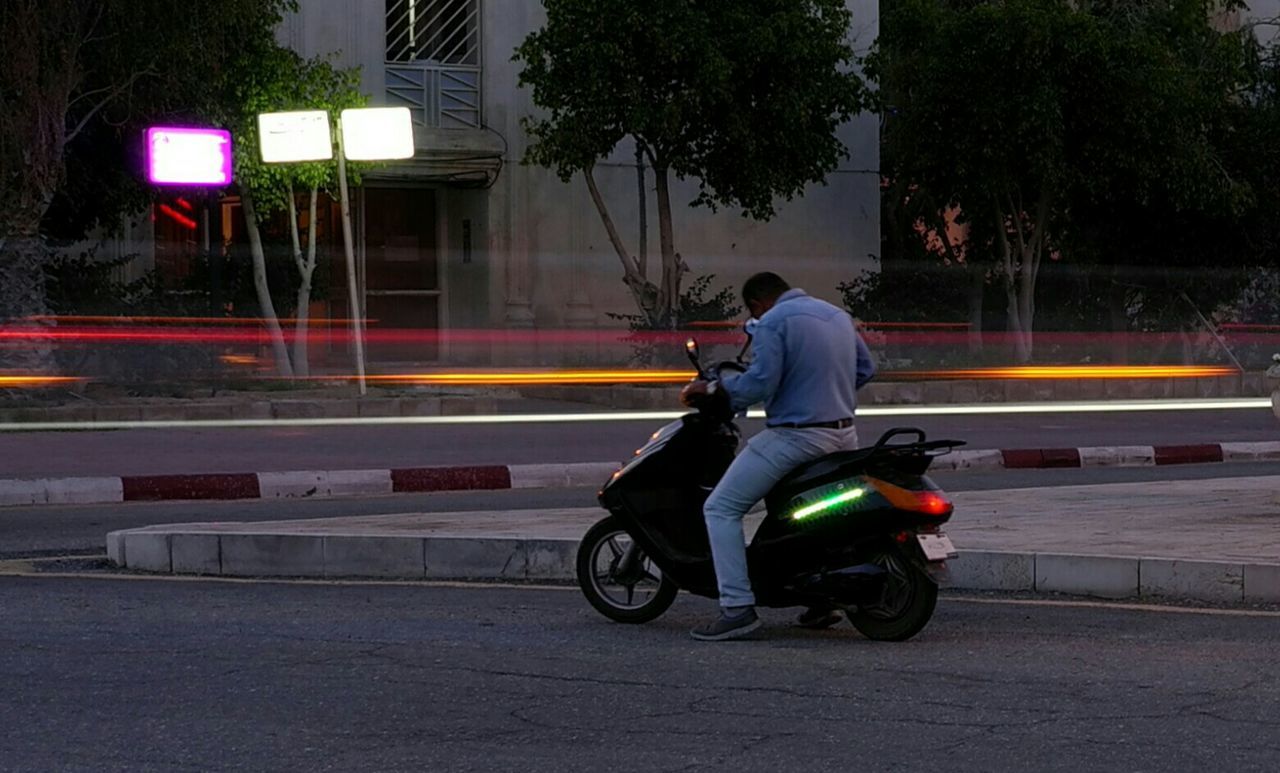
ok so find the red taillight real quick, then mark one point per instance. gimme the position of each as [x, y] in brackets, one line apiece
[927, 502]
[932, 504]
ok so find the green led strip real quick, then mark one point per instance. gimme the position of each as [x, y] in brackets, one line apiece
[828, 503]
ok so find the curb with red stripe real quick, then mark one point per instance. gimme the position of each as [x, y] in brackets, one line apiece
[1042, 458]
[338, 483]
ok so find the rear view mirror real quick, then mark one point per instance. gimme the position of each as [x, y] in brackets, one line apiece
[695, 356]
[691, 348]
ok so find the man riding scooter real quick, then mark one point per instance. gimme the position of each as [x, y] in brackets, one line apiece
[808, 362]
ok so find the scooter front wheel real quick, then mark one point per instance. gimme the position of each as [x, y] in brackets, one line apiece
[618, 579]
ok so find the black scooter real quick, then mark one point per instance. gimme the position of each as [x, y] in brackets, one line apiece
[858, 530]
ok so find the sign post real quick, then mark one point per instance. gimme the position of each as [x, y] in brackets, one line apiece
[364, 134]
[348, 247]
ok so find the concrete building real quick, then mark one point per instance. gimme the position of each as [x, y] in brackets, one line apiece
[1264, 16]
[464, 237]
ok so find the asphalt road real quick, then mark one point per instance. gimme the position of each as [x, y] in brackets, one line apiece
[50, 529]
[164, 451]
[147, 675]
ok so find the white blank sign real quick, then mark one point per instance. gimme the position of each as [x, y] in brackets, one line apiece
[377, 133]
[297, 136]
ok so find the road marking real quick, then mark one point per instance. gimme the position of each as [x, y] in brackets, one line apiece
[1121, 605]
[1117, 406]
[25, 568]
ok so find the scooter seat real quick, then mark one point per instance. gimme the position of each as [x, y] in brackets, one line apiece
[824, 466]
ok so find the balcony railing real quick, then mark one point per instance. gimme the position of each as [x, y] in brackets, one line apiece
[440, 96]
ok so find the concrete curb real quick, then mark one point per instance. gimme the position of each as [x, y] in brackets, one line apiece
[303, 484]
[1117, 577]
[172, 551]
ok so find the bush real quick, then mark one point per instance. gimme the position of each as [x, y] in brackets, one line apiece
[697, 304]
[82, 285]
[1258, 304]
[905, 291]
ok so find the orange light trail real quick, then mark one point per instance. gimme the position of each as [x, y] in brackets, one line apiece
[1040, 372]
[583, 377]
[240, 359]
[20, 382]
[528, 378]
[674, 377]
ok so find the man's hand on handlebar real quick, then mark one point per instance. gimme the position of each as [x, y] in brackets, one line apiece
[694, 392]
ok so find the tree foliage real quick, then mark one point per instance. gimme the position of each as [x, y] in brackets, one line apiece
[81, 73]
[1060, 129]
[742, 96]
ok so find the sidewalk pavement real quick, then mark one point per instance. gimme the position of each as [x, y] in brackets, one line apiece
[1210, 540]
[339, 483]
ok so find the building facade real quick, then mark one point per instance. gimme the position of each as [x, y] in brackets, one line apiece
[465, 238]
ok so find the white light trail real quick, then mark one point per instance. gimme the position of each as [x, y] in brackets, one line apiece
[869, 412]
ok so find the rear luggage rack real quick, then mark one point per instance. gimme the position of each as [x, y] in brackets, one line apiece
[921, 447]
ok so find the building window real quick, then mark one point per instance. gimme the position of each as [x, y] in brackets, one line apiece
[439, 31]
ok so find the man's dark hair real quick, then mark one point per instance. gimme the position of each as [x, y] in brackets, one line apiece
[763, 287]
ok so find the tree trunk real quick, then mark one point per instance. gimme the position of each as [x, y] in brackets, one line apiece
[669, 288]
[302, 337]
[977, 292]
[642, 290]
[642, 255]
[1119, 318]
[1013, 311]
[23, 250]
[293, 228]
[1021, 266]
[22, 298]
[1009, 275]
[1027, 303]
[306, 269]
[41, 72]
[1033, 250]
[264, 292]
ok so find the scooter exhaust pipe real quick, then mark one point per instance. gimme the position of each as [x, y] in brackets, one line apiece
[849, 583]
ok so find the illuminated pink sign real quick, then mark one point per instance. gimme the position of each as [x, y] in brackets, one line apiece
[188, 156]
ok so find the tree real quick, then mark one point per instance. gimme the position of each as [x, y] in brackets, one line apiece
[279, 80]
[1032, 117]
[926, 257]
[744, 96]
[78, 68]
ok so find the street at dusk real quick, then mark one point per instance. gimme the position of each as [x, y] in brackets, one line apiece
[653, 385]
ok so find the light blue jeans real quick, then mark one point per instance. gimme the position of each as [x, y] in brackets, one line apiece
[768, 457]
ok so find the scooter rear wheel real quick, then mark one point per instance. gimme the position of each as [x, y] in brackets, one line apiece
[904, 605]
[618, 579]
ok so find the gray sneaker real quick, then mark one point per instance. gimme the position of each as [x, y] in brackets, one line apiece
[728, 626]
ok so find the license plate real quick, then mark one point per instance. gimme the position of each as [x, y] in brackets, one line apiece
[937, 547]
